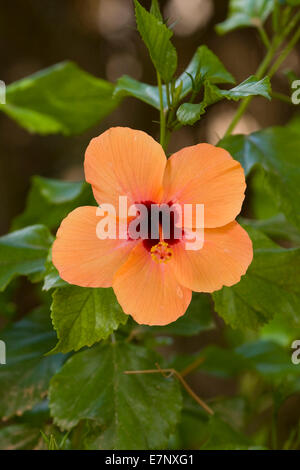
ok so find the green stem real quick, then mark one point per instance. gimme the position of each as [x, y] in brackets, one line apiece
[265, 65]
[162, 113]
[281, 97]
[285, 15]
[264, 37]
[275, 17]
[245, 103]
[289, 28]
[168, 95]
[290, 46]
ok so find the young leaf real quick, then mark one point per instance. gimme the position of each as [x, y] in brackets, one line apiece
[82, 316]
[137, 411]
[276, 151]
[244, 13]
[24, 253]
[60, 99]
[189, 113]
[127, 86]
[155, 10]
[50, 200]
[157, 36]
[25, 378]
[204, 65]
[269, 286]
[249, 87]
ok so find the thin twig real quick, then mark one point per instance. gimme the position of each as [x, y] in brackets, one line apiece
[174, 372]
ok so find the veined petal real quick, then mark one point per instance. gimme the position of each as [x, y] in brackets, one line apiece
[83, 259]
[204, 174]
[224, 258]
[149, 291]
[125, 162]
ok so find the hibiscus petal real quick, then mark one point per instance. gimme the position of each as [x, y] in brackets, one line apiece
[226, 254]
[204, 174]
[126, 162]
[149, 291]
[81, 257]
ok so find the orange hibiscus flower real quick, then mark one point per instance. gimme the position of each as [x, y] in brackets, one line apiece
[153, 279]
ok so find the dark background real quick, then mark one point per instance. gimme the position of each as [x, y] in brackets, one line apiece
[101, 36]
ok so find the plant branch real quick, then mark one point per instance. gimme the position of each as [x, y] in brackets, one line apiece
[263, 68]
[290, 46]
[162, 112]
[245, 103]
[264, 37]
[281, 97]
[169, 373]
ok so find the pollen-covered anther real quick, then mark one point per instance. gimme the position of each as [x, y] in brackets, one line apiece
[161, 253]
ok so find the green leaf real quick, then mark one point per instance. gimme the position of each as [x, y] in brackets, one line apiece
[189, 113]
[204, 65]
[276, 151]
[81, 316]
[25, 378]
[60, 99]
[245, 13]
[221, 436]
[222, 362]
[156, 36]
[249, 87]
[8, 307]
[277, 228]
[19, 437]
[197, 318]
[294, 123]
[50, 200]
[127, 86]
[279, 330]
[137, 411]
[24, 253]
[261, 202]
[198, 430]
[155, 10]
[266, 357]
[51, 276]
[270, 359]
[269, 286]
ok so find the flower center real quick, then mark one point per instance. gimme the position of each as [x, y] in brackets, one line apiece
[161, 252]
[158, 226]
